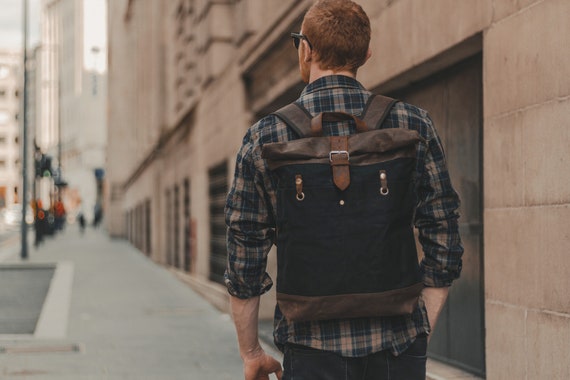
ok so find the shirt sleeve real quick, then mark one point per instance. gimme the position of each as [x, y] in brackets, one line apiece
[250, 225]
[436, 217]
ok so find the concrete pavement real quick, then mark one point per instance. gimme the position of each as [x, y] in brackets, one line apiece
[111, 313]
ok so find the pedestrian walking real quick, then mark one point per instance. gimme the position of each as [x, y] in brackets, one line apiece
[39, 221]
[337, 181]
[81, 220]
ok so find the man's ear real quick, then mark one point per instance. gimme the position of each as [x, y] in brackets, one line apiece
[307, 52]
[368, 55]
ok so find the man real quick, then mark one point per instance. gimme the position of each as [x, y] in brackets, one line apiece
[332, 45]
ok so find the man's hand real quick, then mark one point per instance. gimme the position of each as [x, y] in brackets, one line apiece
[258, 366]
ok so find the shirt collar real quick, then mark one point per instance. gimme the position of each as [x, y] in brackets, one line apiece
[332, 81]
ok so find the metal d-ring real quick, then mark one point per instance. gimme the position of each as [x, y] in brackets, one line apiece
[383, 183]
[299, 187]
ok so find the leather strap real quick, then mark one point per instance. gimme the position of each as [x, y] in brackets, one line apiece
[317, 121]
[305, 125]
[339, 159]
[297, 117]
[376, 110]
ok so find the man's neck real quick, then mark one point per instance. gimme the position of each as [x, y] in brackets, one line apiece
[317, 73]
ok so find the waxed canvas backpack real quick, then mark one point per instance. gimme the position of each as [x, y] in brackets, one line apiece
[345, 207]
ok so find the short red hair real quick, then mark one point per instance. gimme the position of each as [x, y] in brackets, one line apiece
[339, 32]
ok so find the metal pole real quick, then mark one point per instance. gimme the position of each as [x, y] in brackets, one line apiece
[24, 118]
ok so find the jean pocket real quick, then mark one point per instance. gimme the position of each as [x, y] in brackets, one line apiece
[418, 349]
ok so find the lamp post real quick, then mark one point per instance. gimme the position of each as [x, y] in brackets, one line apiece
[24, 119]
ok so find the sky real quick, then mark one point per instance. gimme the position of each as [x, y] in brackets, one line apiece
[95, 28]
[11, 23]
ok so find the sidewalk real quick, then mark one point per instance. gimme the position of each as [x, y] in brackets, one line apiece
[111, 313]
[127, 318]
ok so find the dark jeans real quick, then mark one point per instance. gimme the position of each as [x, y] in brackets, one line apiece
[303, 363]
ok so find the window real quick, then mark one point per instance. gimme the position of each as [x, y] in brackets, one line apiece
[218, 178]
[4, 72]
[176, 228]
[187, 227]
[4, 117]
[168, 226]
[148, 228]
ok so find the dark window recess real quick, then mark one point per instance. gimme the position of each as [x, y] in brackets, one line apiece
[176, 222]
[130, 226]
[218, 188]
[168, 229]
[148, 231]
[187, 227]
[139, 229]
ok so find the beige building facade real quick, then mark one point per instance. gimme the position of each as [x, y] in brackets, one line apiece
[188, 77]
[10, 167]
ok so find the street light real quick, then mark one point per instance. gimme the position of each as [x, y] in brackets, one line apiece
[24, 120]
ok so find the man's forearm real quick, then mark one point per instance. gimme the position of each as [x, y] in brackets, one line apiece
[245, 313]
[434, 299]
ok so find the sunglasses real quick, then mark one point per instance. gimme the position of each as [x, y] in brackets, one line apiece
[297, 37]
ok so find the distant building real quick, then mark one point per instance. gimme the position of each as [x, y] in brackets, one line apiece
[34, 121]
[73, 105]
[10, 82]
[187, 78]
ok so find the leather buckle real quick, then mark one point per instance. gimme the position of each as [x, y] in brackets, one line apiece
[339, 152]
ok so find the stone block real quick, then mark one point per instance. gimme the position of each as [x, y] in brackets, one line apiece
[374, 7]
[524, 62]
[505, 342]
[526, 257]
[220, 20]
[548, 354]
[505, 8]
[503, 162]
[398, 47]
[546, 142]
[526, 154]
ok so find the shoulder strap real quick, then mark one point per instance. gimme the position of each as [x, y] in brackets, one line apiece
[376, 111]
[297, 117]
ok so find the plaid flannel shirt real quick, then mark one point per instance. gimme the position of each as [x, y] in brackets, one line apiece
[251, 209]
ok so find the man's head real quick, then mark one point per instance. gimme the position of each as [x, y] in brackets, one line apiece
[338, 33]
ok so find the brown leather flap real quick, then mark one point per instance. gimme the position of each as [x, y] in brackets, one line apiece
[383, 304]
[377, 144]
